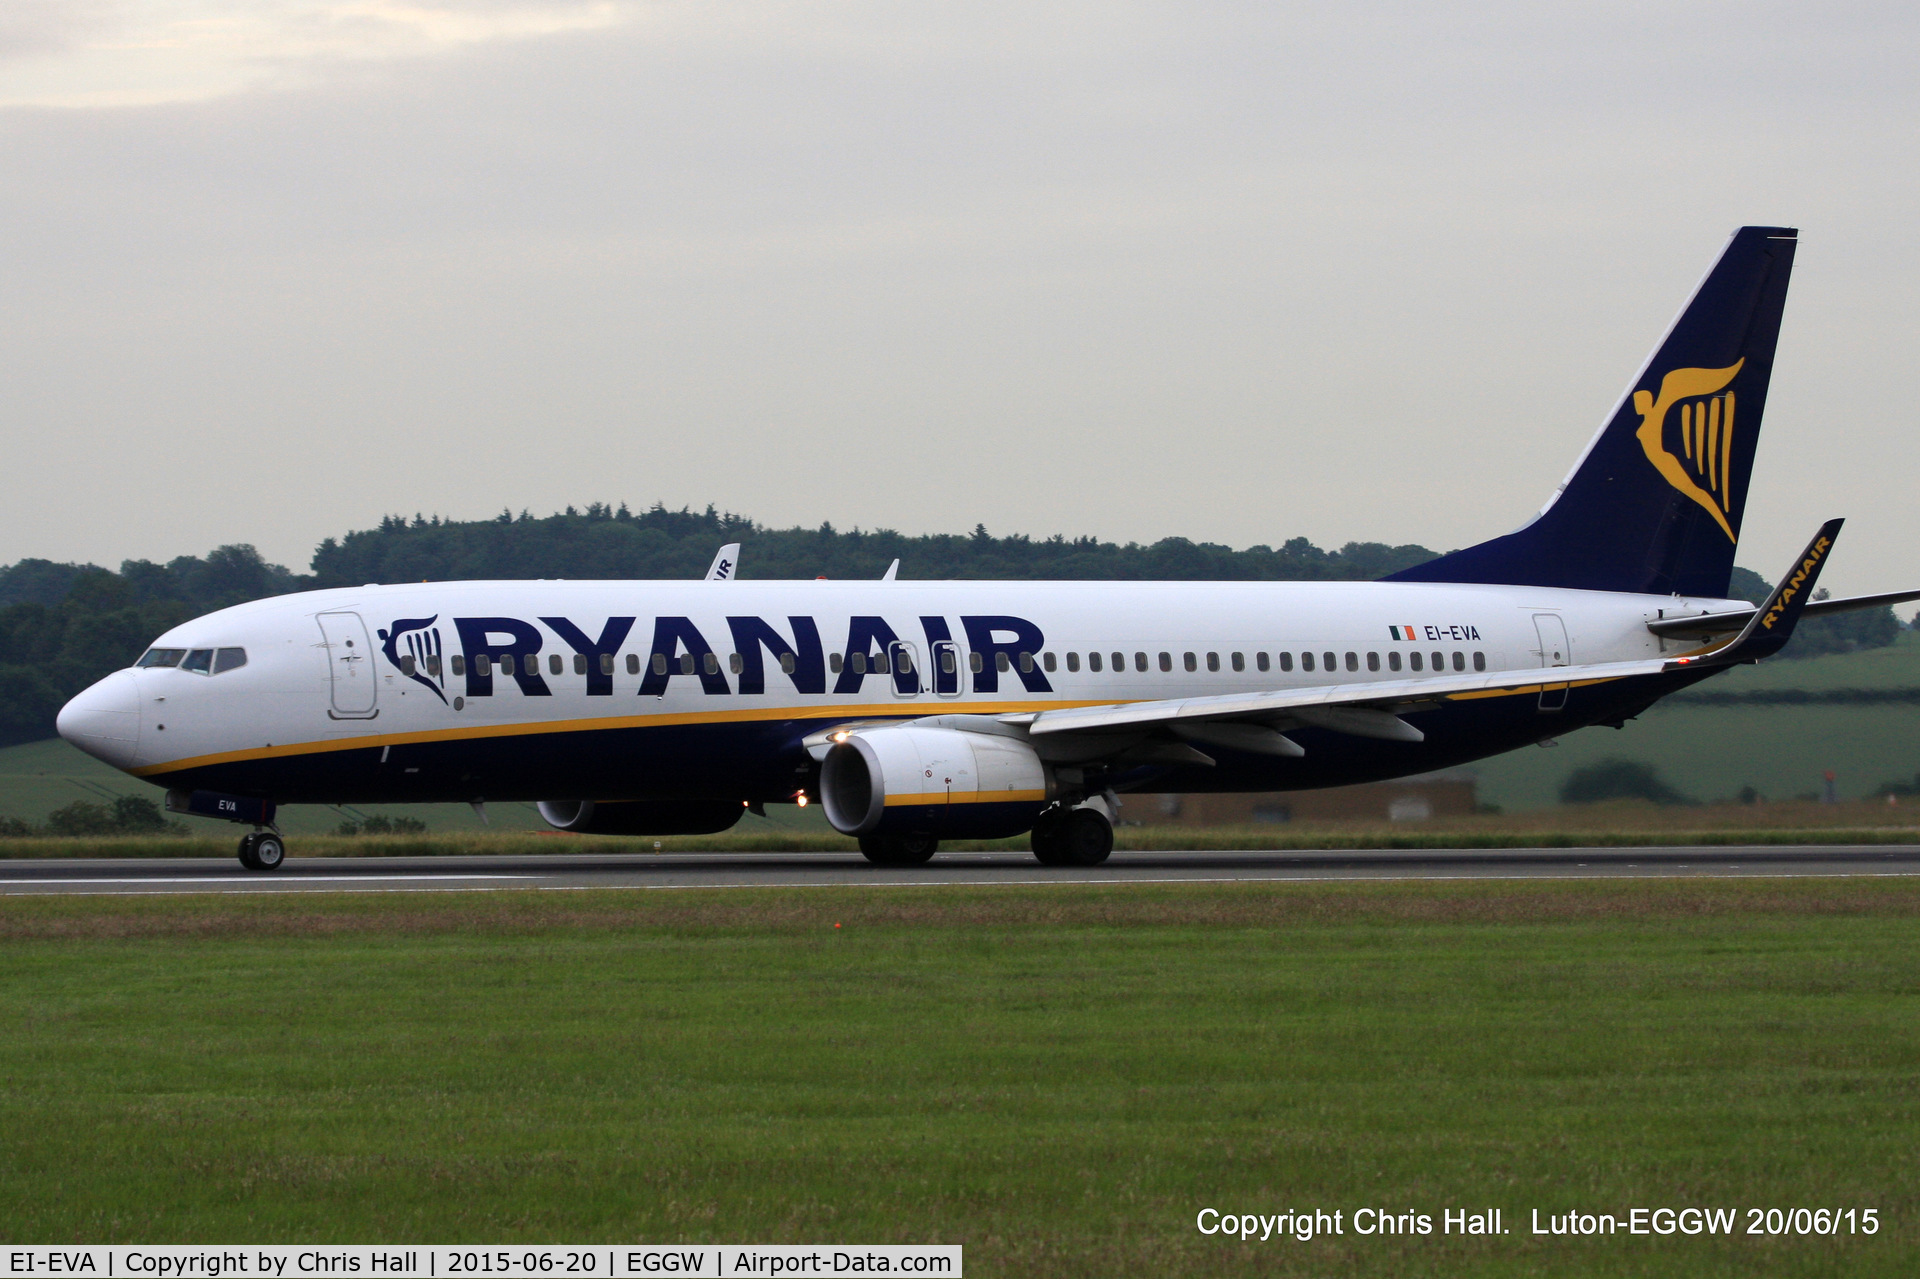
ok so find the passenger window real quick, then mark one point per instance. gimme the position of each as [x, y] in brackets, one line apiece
[1353, 661]
[1479, 661]
[1413, 660]
[903, 665]
[859, 661]
[1286, 661]
[1026, 663]
[1262, 661]
[1373, 662]
[1073, 661]
[580, 663]
[1459, 661]
[406, 663]
[660, 664]
[458, 663]
[556, 666]
[1393, 661]
[736, 663]
[1166, 661]
[1050, 664]
[948, 662]
[1239, 662]
[433, 665]
[1439, 661]
[880, 663]
[1094, 663]
[1213, 661]
[1186, 659]
[686, 663]
[1332, 663]
[199, 661]
[786, 663]
[633, 664]
[1002, 663]
[711, 661]
[162, 657]
[606, 663]
[483, 666]
[1306, 661]
[227, 659]
[976, 662]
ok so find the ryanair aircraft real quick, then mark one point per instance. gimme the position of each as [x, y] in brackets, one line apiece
[921, 711]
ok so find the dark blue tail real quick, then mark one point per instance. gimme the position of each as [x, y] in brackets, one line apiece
[1654, 505]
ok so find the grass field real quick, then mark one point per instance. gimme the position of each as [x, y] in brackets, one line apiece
[1057, 1078]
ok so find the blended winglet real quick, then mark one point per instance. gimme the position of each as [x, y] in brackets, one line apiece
[1768, 631]
[725, 564]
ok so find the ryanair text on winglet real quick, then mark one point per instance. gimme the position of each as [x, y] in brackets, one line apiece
[1815, 553]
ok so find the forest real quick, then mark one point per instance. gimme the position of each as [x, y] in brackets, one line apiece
[63, 626]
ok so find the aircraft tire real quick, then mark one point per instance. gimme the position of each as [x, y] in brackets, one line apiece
[269, 852]
[1045, 841]
[899, 850]
[1085, 838]
[246, 852]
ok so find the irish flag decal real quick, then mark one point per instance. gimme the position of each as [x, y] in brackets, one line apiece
[1400, 632]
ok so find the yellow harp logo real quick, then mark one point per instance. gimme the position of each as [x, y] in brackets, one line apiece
[1704, 469]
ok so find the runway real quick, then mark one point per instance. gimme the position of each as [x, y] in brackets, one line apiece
[799, 870]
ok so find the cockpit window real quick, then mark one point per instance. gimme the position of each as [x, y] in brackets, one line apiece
[227, 659]
[200, 660]
[162, 657]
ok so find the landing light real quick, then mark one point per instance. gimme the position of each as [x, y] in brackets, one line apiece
[842, 736]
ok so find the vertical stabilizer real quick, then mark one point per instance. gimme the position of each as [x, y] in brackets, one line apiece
[1654, 504]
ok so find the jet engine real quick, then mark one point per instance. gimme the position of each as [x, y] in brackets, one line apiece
[902, 779]
[642, 817]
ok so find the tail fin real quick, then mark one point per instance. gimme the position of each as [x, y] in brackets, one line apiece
[1654, 504]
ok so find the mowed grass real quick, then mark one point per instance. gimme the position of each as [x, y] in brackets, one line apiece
[1058, 1078]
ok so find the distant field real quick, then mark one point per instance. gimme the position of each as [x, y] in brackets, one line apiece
[1059, 1080]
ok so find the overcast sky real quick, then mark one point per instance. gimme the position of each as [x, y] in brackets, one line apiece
[1237, 272]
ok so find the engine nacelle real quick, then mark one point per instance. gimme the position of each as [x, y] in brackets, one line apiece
[642, 817]
[938, 781]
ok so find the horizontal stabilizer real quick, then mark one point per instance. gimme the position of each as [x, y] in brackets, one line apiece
[1703, 624]
[1771, 626]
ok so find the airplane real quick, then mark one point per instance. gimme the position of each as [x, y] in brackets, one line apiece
[921, 711]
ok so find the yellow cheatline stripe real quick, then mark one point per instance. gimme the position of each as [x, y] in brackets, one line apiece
[1530, 688]
[926, 800]
[862, 710]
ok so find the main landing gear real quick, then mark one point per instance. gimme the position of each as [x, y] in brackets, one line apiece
[1077, 837]
[262, 850]
[899, 850]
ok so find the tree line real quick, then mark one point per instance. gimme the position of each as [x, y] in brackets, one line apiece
[63, 626]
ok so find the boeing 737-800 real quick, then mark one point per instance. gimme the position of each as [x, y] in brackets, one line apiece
[917, 711]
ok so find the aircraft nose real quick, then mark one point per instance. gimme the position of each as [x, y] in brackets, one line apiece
[104, 721]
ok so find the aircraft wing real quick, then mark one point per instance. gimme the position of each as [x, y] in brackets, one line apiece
[1253, 721]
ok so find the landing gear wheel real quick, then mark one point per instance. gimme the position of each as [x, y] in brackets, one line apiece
[1085, 838]
[1046, 842]
[246, 851]
[269, 852]
[899, 850]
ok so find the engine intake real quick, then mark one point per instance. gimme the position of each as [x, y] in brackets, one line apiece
[641, 817]
[937, 781]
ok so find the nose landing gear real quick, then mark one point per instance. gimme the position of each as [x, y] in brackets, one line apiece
[262, 850]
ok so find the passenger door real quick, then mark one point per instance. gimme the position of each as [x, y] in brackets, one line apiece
[1554, 650]
[349, 665]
